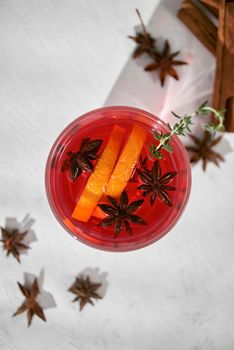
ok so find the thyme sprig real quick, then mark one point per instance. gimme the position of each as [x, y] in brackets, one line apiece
[218, 114]
[183, 126]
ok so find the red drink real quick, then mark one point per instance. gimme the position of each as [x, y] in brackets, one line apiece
[158, 215]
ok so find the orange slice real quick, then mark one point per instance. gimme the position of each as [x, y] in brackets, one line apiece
[126, 162]
[98, 180]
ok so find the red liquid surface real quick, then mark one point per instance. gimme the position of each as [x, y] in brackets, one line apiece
[64, 193]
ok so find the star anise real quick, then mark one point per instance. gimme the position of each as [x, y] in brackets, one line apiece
[156, 184]
[164, 62]
[13, 242]
[121, 214]
[30, 304]
[203, 150]
[85, 291]
[81, 161]
[145, 42]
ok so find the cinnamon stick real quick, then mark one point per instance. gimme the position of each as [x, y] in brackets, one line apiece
[223, 96]
[229, 115]
[212, 6]
[199, 24]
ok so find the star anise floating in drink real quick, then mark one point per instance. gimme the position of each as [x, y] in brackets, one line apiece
[85, 291]
[80, 161]
[13, 242]
[121, 214]
[156, 184]
[163, 61]
[203, 150]
[30, 305]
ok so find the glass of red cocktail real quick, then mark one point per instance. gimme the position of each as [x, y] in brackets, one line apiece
[104, 187]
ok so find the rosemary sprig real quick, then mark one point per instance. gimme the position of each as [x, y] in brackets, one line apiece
[183, 126]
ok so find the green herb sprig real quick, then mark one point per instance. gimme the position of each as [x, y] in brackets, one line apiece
[218, 114]
[183, 126]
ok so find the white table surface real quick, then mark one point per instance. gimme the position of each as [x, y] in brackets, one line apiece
[59, 59]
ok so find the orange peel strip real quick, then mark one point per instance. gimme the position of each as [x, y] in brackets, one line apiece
[126, 162]
[98, 180]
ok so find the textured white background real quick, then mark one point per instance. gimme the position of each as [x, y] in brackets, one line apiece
[59, 59]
